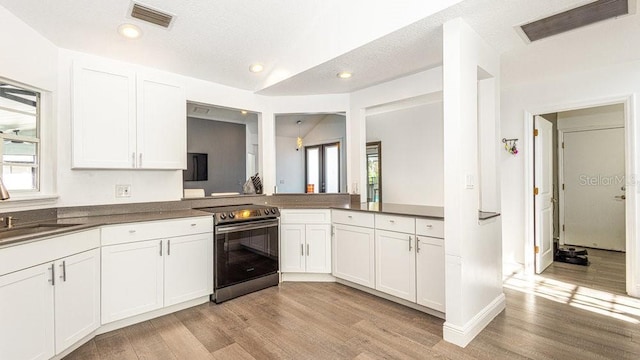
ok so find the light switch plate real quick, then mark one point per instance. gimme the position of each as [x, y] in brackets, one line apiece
[469, 181]
[123, 191]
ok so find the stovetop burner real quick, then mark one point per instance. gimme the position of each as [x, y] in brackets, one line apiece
[242, 213]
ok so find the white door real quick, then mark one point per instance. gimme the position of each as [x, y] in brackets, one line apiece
[292, 251]
[396, 264]
[593, 175]
[26, 314]
[430, 272]
[188, 268]
[77, 294]
[104, 116]
[544, 198]
[132, 279]
[318, 248]
[353, 254]
[161, 123]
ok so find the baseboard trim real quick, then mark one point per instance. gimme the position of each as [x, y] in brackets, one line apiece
[462, 336]
[119, 324]
[404, 302]
[307, 277]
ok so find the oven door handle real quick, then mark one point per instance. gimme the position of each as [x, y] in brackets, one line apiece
[224, 229]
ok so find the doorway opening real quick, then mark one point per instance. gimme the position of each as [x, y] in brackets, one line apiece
[579, 176]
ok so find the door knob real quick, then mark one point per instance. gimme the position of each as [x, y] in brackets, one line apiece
[621, 197]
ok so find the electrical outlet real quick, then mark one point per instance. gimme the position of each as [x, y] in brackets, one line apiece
[123, 191]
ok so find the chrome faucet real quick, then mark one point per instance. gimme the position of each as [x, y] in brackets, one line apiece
[4, 194]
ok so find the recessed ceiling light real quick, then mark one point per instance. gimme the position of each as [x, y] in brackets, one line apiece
[243, 112]
[129, 31]
[344, 75]
[255, 68]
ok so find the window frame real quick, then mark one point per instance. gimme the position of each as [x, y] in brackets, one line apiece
[37, 140]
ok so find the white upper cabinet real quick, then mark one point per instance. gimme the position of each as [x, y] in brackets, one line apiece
[127, 119]
[104, 117]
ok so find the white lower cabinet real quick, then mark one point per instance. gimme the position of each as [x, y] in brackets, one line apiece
[430, 272]
[396, 264]
[354, 254]
[27, 314]
[48, 307]
[305, 241]
[132, 279]
[146, 275]
[77, 297]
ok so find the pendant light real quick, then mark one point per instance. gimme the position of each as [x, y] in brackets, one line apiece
[299, 139]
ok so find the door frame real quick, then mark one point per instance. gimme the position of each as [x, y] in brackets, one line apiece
[561, 132]
[630, 169]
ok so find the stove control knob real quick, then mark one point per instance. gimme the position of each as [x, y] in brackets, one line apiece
[223, 216]
[266, 211]
[232, 215]
[273, 211]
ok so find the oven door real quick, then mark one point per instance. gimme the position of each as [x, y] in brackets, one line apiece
[245, 251]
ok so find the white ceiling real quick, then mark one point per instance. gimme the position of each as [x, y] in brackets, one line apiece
[302, 43]
[287, 124]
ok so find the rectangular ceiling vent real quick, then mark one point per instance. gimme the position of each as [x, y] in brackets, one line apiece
[575, 18]
[153, 16]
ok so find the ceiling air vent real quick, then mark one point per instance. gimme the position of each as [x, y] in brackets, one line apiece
[153, 16]
[575, 18]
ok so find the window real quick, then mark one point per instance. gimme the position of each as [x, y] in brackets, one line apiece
[20, 149]
[323, 168]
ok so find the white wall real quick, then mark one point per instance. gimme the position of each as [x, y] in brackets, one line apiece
[609, 115]
[289, 166]
[425, 83]
[412, 154]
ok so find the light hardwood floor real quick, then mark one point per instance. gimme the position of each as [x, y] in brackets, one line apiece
[545, 318]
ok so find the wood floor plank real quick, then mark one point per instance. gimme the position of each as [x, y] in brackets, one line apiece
[88, 351]
[208, 332]
[232, 352]
[116, 346]
[181, 342]
[147, 342]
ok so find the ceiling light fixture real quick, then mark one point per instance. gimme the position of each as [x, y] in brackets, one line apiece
[256, 68]
[299, 139]
[243, 112]
[344, 75]
[130, 31]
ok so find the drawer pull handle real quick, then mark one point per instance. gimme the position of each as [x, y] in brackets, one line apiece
[350, 216]
[429, 226]
[160, 247]
[417, 244]
[410, 243]
[193, 224]
[131, 231]
[301, 249]
[53, 275]
[392, 221]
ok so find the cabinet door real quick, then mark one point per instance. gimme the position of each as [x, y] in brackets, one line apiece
[292, 251]
[430, 272]
[104, 116]
[161, 123]
[318, 248]
[396, 264]
[188, 268]
[26, 314]
[132, 279]
[77, 296]
[353, 254]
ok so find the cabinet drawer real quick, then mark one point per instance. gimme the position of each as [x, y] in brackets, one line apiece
[356, 218]
[396, 223]
[22, 256]
[139, 231]
[430, 227]
[305, 216]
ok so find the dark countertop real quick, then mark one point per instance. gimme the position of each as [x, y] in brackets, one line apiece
[88, 222]
[433, 212]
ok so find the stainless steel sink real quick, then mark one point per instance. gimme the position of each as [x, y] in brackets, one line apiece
[32, 230]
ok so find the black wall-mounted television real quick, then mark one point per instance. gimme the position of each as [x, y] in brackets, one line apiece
[197, 169]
